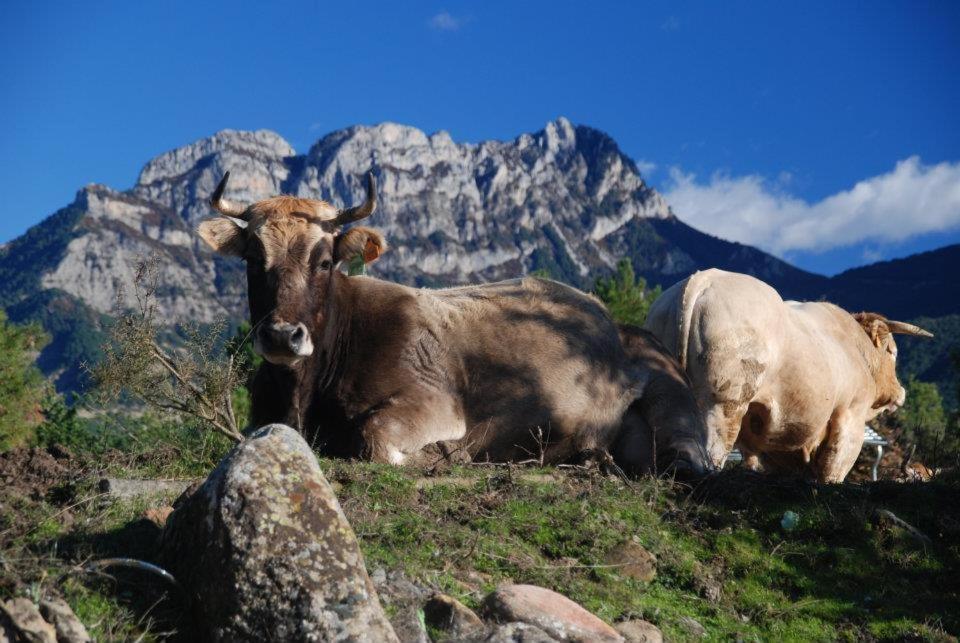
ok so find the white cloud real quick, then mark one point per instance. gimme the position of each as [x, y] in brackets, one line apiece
[646, 167]
[444, 21]
[911, 199]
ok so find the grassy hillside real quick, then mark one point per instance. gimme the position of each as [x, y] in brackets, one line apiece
[723, 558]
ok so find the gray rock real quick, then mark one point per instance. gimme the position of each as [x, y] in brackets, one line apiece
[266, 552]
[453, 618]
[65, 622]
[25, 623]
[126, 488]
[709, 588]
[519, 633]
[638, 631]
[554, 613]
[405, 600]
[692, 627]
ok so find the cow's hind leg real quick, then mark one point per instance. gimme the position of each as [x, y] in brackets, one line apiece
[400, 429]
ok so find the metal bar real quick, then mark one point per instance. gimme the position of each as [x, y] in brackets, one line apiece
[876, 463]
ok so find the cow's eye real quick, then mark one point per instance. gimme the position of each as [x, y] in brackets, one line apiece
[326, 264]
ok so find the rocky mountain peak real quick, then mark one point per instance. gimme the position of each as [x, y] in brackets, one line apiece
[558, 134]
[173, 164]
[564, 200]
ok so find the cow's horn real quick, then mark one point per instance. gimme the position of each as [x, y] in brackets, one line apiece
[363, 210]
[904, 328]
[224, 207]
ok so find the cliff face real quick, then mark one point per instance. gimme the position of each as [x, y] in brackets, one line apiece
[564, 199]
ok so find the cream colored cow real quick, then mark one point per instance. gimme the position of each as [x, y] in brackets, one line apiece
[791, 384]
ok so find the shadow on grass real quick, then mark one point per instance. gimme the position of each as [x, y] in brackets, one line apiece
[158, 605]
[843, 560]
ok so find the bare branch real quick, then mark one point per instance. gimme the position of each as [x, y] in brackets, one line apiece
[196, 378]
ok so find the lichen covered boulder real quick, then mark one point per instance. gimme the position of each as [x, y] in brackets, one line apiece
[265, 552]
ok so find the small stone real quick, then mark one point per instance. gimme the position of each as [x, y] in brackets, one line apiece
[709, 588]
[519, 633]
[65, 622]
[638, 631]
[449, 615]
[27, 623]
[692, 627]
[633, 561]
[554, 613]
[405, 599]
[158, 515]
[379, 577]
[407, 625]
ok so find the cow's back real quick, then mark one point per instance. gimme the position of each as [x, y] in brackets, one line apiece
[716, 313]
[534, 355]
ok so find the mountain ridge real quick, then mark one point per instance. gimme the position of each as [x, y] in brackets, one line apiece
[564, 199]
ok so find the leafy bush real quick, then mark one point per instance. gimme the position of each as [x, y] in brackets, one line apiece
[626, 295]
[22, 386]
[924, 423]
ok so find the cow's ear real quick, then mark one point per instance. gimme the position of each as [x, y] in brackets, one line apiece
[224, 235]
[874, 325]
[365, 242]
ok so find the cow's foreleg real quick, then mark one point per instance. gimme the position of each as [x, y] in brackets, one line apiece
[723, 420]
[839, 451]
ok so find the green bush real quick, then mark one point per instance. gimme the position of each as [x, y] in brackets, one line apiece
[22, 386]
[61, 425]
[626, 295]
[924, 422]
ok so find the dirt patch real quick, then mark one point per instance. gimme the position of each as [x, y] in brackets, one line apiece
[35, 472]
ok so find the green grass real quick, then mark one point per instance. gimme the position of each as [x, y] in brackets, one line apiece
[839, 575]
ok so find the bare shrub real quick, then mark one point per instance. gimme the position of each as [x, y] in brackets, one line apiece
[197, 379]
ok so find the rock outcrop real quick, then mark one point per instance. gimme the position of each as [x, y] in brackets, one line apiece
[265, 552]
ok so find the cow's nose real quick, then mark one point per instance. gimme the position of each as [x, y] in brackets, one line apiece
[283, 336]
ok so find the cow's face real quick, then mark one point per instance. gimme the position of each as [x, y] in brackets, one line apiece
[292, 248]
[890, 394]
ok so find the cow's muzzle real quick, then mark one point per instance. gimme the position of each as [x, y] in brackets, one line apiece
[283, 343]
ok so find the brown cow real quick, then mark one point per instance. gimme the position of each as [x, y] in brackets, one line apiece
[790, 383]
[511, 370]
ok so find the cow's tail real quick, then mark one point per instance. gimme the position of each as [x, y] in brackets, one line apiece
[696, 284]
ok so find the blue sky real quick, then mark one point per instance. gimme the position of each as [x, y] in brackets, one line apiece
[824, 132]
